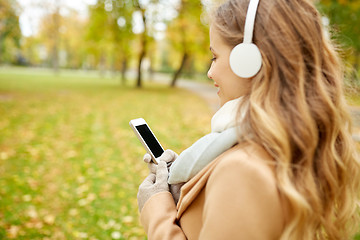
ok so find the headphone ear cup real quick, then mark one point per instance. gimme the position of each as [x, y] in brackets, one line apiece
[245, 60]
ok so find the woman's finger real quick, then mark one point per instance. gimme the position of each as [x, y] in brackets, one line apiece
[162, 172]
[168, 156]
[152, 167]
[147, 158]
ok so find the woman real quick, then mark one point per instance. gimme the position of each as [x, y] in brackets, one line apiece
[280, 162]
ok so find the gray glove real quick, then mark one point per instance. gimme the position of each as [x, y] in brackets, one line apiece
[169, 157]
[153, 184]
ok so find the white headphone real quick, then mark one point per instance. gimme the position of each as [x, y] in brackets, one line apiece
[245, 58]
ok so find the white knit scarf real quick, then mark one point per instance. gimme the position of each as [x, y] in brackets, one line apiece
[222, 137]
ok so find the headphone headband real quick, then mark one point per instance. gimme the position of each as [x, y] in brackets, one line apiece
[245, 58]
[250, 21]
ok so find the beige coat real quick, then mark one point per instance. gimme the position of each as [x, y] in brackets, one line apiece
[233, 197]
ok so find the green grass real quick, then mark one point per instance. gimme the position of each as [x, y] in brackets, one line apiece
[70, 165]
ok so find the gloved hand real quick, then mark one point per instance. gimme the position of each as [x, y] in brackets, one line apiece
[154, 183]
[169, 157]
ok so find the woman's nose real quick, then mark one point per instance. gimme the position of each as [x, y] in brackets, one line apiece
[209, 73]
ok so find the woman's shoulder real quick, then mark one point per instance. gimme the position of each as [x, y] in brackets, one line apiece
[249, 169]
[244, 176]
[249, 159]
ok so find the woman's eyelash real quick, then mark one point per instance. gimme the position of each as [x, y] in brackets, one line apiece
[213, 59]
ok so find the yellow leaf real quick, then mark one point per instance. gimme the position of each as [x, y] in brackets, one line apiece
[13, 232]
[49, 219]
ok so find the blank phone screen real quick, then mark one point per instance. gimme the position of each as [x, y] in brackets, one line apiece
[150, 140]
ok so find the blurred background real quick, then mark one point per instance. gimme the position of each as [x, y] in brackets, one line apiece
[168, 36]
[108, 36]
[73, 73]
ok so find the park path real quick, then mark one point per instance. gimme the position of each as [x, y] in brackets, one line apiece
[206, 91]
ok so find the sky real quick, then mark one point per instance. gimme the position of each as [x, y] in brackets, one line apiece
[31, 12]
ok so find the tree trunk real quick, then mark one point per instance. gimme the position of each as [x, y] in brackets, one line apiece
[102, 65]
[178, 72]
[123, 71]
[143, 50]
[139, 78]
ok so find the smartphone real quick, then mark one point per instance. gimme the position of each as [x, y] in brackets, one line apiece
[147, 138]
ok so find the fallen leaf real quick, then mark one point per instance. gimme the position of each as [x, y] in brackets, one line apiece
[116, 235]
[128, 219]
[27, 198]
[49, 219]
[13, 231]
[32, 213]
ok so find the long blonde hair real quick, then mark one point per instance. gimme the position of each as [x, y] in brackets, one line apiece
[298, 113]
